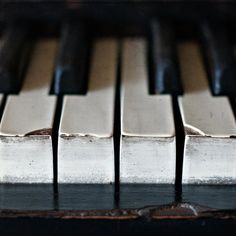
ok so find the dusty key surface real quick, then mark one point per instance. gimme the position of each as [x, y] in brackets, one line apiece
[209, 123]
[147, 152]
[26, 126]
[86, 153]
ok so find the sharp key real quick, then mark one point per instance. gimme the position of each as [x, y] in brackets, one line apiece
[220, 60]
[14, 52]
[164, 59]
[71, 65]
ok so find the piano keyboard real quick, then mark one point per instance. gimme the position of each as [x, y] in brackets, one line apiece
[82, 147]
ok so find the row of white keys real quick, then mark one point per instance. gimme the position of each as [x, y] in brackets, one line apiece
[86, 149]
[209, 124]
[148, 153]
[26, 126]
[86, 152]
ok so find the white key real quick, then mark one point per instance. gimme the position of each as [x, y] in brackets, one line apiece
[148, 150]
[86, 153]
[26, 126]
[209, 123]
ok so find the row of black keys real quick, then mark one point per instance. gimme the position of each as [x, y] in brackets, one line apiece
[73, 57]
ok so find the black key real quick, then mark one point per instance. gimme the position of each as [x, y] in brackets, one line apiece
[218, 53]
[14, 56]
[164, 63]
[72, 62]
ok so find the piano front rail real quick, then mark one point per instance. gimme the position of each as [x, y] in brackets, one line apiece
[100, 209]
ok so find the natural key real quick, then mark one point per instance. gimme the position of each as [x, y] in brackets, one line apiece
[147, 152]
[209, 125]
[26, 127]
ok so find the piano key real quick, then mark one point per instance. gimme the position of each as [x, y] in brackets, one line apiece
[147, 152]
[209, 124]
[71, 65]
[165, 68]
[1, 105]
[86, 153]
[1, 95]
[220, 60]
[1, 99]
[26, 126]
[14, 54]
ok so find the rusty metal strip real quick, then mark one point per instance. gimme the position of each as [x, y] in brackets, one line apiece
[171, 211]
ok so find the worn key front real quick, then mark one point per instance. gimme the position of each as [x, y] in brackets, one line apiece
[72, 60]
[220, 60]
[26, 126]
[14, 55]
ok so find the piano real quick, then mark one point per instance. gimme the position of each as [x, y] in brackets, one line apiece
[117, 118]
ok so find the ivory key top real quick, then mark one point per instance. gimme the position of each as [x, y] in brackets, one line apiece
[26, 127]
